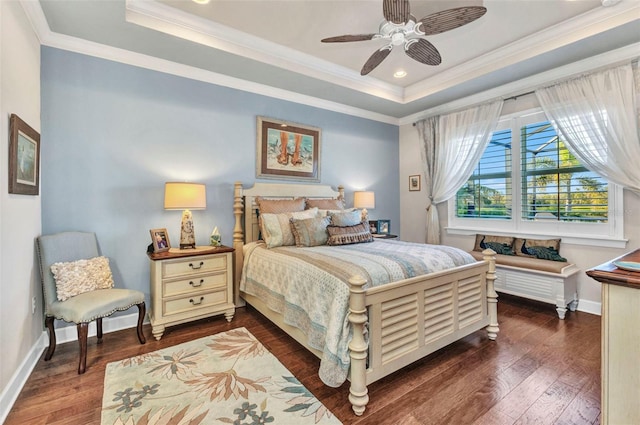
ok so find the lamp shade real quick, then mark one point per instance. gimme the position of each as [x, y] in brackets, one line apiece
[364, 200]
[181, 196]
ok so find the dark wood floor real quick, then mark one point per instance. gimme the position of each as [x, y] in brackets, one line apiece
[541, 370]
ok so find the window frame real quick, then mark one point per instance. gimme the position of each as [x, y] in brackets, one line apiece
[609, 234]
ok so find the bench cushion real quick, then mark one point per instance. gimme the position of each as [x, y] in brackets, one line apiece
[526, 262]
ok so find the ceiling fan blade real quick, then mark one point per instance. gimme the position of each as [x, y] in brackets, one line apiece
[396, 11]
[424, 52]
[348, 38]
[376, 59]
[449, 19]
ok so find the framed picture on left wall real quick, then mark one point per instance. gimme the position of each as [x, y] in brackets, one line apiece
[24, 158]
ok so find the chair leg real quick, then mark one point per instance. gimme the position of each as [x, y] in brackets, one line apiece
[83, 330]
[52, 337]
[99, 329]
[141, 312]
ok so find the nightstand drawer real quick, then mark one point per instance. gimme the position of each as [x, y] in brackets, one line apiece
[193, 265]
[194, 302]
[196, 283]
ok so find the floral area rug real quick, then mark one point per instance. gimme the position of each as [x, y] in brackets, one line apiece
[227, 378]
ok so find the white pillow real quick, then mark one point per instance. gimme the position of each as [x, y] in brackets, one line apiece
[76, 277]
[276, 228]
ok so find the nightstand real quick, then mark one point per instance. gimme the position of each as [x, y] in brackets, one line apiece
[190, 284]
[384, 236]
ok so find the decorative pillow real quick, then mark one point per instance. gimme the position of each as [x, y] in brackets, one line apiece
[279, 206]
[545, 249]
[500, 244]
[276, 228]
[325, 204]
[310, 231]
[345, 235]
[76, 277]
[325, 213]
[345, 218]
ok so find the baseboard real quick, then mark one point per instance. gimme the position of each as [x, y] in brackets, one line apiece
[591, 307]
[109, 324]
[65, 334]
[19, 378]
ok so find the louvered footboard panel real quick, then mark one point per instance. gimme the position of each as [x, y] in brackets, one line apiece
[399, 327]
[412, 320]
[438, 312]
[470, 297]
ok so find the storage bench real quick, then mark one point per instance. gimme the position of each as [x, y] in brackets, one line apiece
[548, 281]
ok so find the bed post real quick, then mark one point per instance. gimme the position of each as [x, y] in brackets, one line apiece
[492, 297]
[238, 240]
[358, 346]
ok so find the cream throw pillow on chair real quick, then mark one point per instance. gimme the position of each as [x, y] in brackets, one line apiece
[76, 277]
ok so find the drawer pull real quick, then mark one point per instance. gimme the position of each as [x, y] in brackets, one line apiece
[196, 302]
[196, 285]
[196, 268]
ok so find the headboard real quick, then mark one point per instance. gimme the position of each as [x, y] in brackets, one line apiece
[245, 210]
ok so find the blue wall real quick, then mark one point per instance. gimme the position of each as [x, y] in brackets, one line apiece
[113, 134]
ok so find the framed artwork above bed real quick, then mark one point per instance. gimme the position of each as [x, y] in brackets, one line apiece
[287, 150]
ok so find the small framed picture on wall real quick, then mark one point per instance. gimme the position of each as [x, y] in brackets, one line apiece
[414, 183]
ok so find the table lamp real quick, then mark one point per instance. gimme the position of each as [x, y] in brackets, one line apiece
[186, 197]
[364, 200]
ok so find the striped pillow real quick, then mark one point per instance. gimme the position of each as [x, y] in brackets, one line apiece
[345, 235]
[310, 231]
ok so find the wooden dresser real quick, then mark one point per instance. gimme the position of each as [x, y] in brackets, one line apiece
[620, 341]
[189, 285]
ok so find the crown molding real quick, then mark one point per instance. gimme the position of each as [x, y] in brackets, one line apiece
[35, 15]
[48, 38]
[587, 24]
[624, 54]
[164, 18]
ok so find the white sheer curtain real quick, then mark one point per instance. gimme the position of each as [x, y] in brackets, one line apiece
[597, 117]
[451, 146]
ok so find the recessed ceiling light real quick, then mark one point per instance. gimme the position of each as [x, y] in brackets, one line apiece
[201, 1]
[400, 73]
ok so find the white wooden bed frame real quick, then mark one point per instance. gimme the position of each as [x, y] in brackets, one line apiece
[406, 320]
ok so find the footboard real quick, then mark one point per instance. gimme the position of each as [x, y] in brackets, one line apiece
[410, 319]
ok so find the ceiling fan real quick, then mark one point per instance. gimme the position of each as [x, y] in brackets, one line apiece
[401, 27]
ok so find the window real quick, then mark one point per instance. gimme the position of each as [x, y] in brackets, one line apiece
[528, 183]
[555, 186]
[487, 194]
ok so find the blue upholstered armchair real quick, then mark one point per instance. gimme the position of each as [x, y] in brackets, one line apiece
[63, 251]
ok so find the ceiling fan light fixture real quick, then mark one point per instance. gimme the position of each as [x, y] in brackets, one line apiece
[401, 27]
